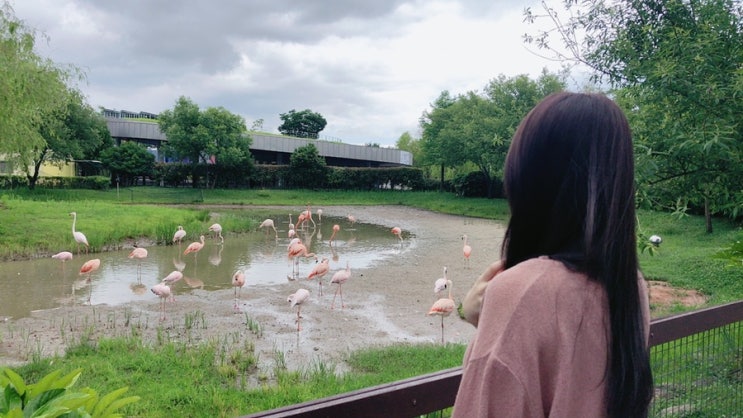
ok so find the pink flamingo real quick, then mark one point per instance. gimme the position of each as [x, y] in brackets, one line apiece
[340, 277]
[88, 268]
[296, 299]
[238, 281]
[63, 256]
[398, 232]
[467, 251]
[305, 216]
[140, 254]
[179, 235]
[217, 229]
[170, 280]
[351, 219]
[163, 292]
[79, 236]
[319, 271]
[441, 284]
[268, 223]
[319, 216]
[296, 250]
[336, 228]
[443, 307]
[194, 247]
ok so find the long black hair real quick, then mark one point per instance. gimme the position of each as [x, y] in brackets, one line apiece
[569, 179]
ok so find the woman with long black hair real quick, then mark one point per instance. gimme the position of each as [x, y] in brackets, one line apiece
[563, 316]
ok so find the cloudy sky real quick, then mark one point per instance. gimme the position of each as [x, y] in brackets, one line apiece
[370, 67]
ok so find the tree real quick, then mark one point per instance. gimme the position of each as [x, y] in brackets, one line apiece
[477, 128]
[128, 161]
[676, 68]
[307, 169]
[32, 89]
[214, 136]
[406, 142]
[75, 132]
[302, 124]
[431, 123]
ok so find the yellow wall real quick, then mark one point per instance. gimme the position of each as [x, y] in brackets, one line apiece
[51, 170]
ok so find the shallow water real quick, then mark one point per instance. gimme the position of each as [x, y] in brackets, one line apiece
[27, 286]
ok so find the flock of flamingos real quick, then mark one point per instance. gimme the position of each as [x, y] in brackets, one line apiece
[443, 307]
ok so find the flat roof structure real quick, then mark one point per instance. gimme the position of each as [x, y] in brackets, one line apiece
[274, 149]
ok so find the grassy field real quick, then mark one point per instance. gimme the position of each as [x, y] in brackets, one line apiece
[176, 379]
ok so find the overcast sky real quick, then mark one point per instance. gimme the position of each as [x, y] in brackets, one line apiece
[370, 67]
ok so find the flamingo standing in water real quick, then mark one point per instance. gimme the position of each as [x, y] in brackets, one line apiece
[179, 235]
[443, 307]
[63, 256]
[194, 247]
[238, 281]
[336, 228]
[88, 268]
[163, 292]
[297, 249]
[140, 254]
[319, 271]
[340, 277]
[319, 216]
[466, 251]
[296, 299]
[79, 236]
[351, 219]
[217, 229]
[398, 232]
[268, 223]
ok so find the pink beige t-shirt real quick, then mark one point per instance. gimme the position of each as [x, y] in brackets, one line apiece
[541, 345]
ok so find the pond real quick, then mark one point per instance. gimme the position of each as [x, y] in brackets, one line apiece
[41, 284]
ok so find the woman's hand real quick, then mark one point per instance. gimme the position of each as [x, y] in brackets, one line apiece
[472, 302]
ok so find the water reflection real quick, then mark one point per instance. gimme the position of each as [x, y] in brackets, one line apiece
[26, 286]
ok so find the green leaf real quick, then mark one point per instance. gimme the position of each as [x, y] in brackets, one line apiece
[16, 380]
[102, 407]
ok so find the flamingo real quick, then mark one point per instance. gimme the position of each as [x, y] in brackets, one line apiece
[296, 299]
[217, 229]
[304, 217]
[163, 292]
[179, 235]
[268, 223]
[88, 268]
[336, 228]
[467, 251]
[140, 254]
[351, 219]
[195, 247]
[319, 216]
[63, 256]
[441, 284]
[291, 225]
[170, 280]
[292, 232]
[79, 236]
[296, 250]
[238, 281]
[443, 307]
[397, 231]
[340, 277]
[319, 271]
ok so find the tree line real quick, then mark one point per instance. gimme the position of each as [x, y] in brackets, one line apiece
[674, 66]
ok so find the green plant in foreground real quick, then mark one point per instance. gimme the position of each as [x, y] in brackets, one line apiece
[52, 397]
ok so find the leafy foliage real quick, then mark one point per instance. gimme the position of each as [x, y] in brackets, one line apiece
[128, 161]
[307, 169]
[52, 396]
[302, 124]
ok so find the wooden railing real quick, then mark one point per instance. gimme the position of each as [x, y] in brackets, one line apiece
[436, 391]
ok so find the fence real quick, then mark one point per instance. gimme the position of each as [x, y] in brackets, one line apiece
[697, 361]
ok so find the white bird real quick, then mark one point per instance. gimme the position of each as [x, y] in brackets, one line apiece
[441, 284]
[179, 235]
[296, 299]
[655, 240]
[443, 307]
[268, 223]
[79, 236]
[217, 228]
